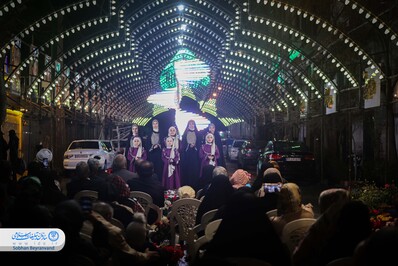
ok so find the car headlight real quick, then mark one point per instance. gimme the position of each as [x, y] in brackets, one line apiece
[68, 156]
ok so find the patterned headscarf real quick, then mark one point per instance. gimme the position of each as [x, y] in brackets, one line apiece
[239, 178]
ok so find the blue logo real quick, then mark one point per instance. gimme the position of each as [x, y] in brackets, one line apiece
[53, 235]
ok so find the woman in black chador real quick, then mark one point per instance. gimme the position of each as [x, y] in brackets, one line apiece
[153, 146]
[190, 166]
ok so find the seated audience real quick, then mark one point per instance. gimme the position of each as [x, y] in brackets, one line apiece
[246, 232]
[330, 202]
[240, 178]
[378, 249]
[352, 227]
[148, 182]
[218, 193]
[186, 192]
[82, 181]
[270, 187]
[290, 207]
[119, 167]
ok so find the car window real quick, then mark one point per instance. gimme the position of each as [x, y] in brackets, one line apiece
[290, 146]
[84, 145]
[250, 145]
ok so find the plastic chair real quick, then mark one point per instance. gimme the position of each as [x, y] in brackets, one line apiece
[193, 234]
[271, 213]
[210, 230]
[182, 218]
[144, 199]
[198, 193]
[158, 211]
[295, 230]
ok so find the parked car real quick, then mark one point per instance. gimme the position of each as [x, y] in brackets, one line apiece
[248, 154]
[82, 150]
[234, 148]
[294, 158]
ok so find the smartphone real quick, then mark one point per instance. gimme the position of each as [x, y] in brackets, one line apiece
[45, 162]
[86, 204]
[272, 187]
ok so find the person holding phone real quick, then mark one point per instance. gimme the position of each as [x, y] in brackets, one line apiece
[270, 188]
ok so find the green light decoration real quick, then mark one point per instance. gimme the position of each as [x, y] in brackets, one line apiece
[158, 109]
[227, 121]
[188, 92]
[210, 107]
[293, 54]
[168, 78]
[141, 121]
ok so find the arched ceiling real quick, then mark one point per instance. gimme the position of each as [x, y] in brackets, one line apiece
[106, 56]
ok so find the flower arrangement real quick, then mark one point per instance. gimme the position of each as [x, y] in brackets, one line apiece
[382, 202]
[160, 237]
[374, 196]
[160, 233]
[170, 253]
[379, 218]
[170, 196]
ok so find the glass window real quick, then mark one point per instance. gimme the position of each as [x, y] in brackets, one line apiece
[84, 145]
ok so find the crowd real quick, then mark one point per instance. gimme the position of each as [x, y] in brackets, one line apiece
[113, 229]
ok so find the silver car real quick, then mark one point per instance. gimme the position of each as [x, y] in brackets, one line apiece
[82, 150]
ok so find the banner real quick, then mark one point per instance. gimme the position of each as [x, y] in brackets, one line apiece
[15, 57]
[330, 99]
[34, 64]
[371, 88]
[303, 108]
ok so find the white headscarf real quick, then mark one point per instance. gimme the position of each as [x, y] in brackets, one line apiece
[213, 145]
[172, 156]
[139, 151]
[175, 138]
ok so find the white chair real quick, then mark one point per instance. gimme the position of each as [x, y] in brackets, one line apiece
[295, 230]
[182, 218]
[144, 199]
[198, 193]
[210, 230]
[271, 213]
[193, 234]
[158, 211]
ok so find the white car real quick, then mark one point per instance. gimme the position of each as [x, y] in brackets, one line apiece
[82, 150]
